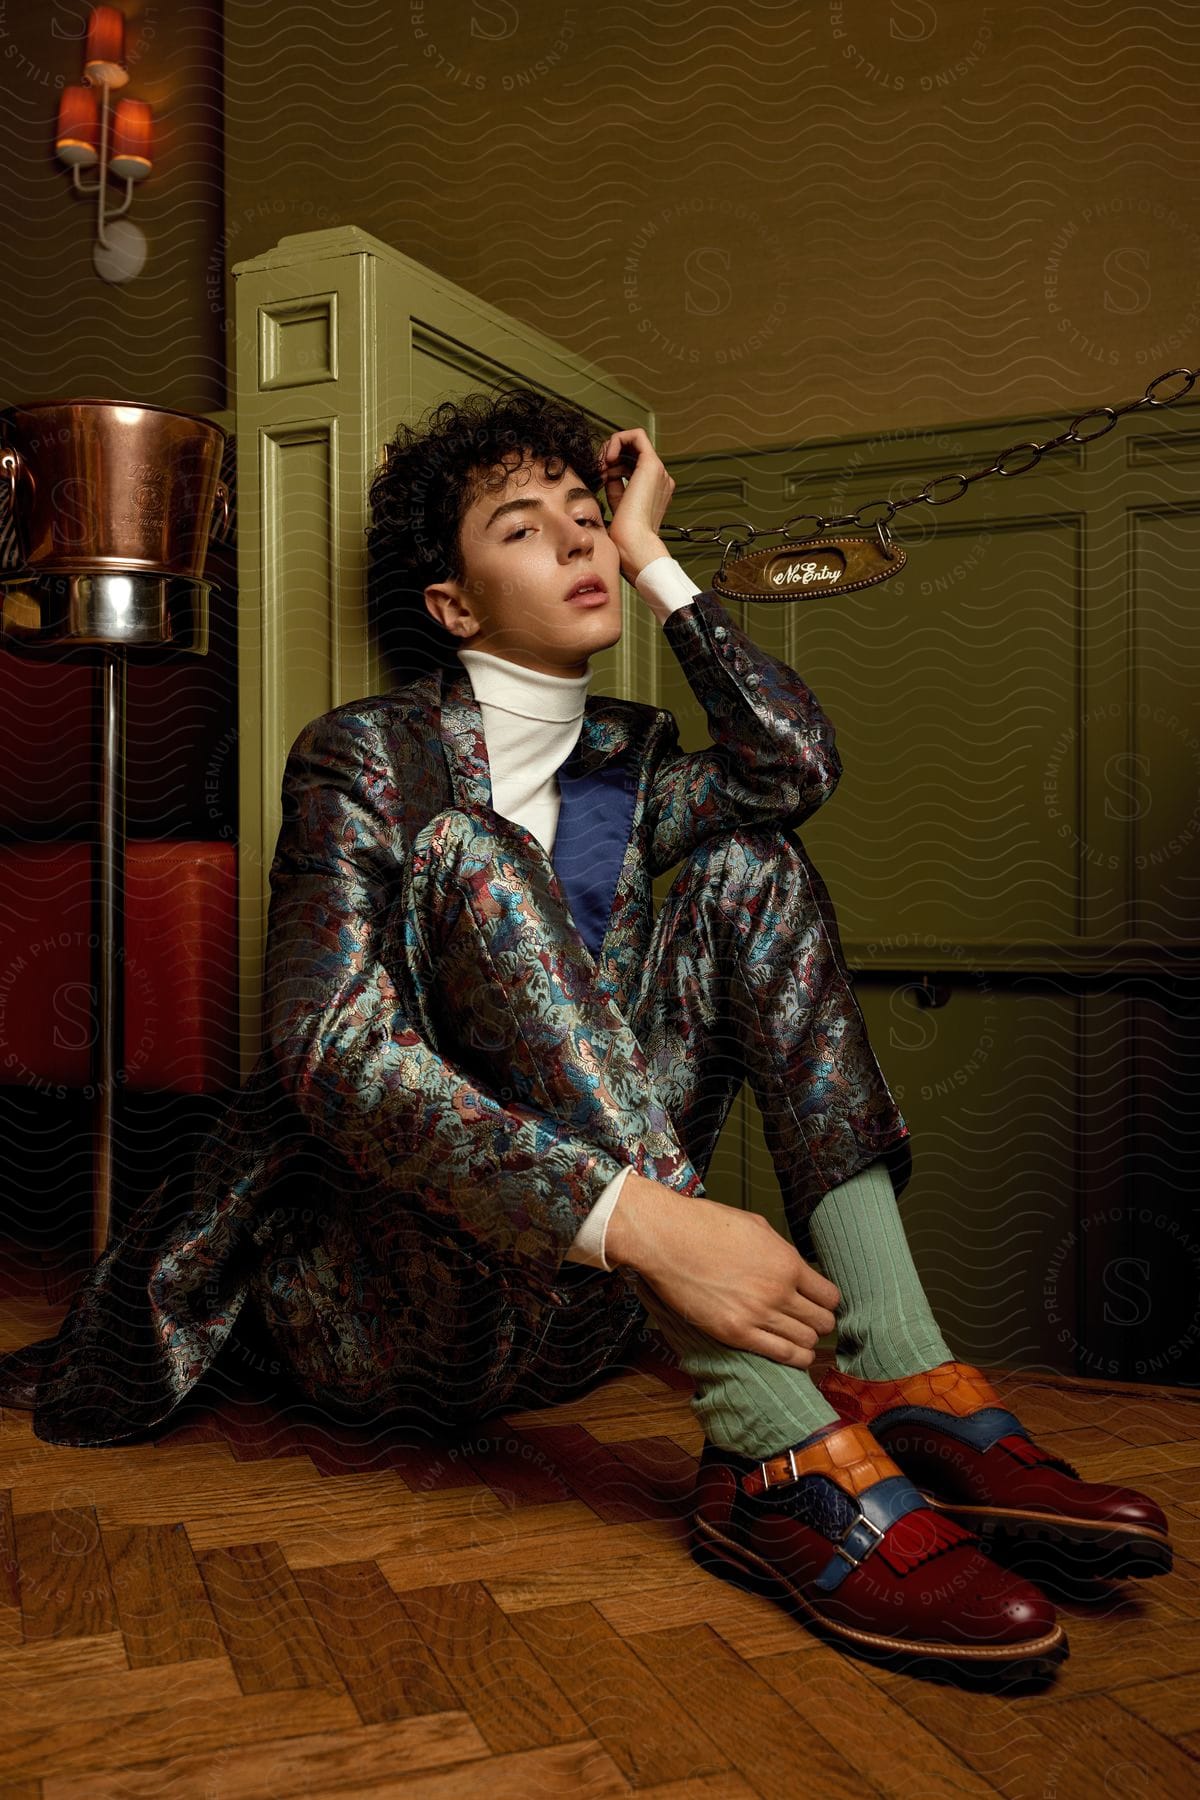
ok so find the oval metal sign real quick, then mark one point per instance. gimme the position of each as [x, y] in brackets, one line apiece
[802, 571]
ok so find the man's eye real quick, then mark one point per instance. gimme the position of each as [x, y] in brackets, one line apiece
[522, 529]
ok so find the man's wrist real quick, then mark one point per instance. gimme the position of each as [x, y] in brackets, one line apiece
[624, 1239]
[635, 557]
[588, 1244]
[619, 1230]
[665, 586]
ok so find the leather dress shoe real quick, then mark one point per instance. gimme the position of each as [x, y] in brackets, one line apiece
[837, 1532]
[949, 1430]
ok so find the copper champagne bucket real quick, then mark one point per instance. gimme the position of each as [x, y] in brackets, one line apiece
[106, 484]
[113, 505]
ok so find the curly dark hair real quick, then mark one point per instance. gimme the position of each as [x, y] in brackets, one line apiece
[431, 473]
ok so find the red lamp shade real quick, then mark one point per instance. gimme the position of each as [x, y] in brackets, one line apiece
[105, 56]
[132, 156]
[77, 139]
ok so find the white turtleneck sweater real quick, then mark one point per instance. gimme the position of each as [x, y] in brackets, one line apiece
[531, 724]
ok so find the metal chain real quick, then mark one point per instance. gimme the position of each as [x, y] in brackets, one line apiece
[712, 534]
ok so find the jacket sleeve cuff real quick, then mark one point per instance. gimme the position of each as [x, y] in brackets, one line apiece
[665, 586]
[588, 1244]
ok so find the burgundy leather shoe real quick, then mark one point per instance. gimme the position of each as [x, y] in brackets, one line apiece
[839, 1534]
[951, 1433]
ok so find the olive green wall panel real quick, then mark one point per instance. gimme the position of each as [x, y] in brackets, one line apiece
[1017, 710]
[1153, 780]
[1147, 1319]
[938, 827]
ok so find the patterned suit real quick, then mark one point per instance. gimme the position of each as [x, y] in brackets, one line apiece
[451, 1077]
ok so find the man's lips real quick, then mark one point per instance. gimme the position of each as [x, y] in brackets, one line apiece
[588, 591]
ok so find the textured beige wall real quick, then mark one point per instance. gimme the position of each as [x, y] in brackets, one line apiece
[65, 332]
[776, 222]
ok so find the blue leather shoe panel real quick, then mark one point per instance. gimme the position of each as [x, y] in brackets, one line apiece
[981, 1429]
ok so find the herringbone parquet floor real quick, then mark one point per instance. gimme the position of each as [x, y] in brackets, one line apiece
[264, 1604]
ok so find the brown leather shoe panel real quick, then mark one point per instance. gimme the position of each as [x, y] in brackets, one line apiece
[953, 1387]
[852, 1457]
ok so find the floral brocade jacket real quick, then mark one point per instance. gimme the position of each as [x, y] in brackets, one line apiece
[400, 1233]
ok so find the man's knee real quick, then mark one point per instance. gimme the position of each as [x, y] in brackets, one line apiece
[757, 883]
[747, 856]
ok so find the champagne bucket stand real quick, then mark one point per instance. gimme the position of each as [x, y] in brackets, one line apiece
[105, 612]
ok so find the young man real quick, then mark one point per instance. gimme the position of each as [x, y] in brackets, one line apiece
[470, 1163]
[633, 1035]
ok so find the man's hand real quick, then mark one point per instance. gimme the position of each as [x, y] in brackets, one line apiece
[638, 490]
[728, 1272]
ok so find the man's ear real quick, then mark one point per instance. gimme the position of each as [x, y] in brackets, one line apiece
[445, 603]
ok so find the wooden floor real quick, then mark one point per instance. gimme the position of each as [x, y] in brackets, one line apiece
[261, 1605]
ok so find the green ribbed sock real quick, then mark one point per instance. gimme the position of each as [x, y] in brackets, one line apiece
[757, 1406]
[885, 1327]
[742, 1401]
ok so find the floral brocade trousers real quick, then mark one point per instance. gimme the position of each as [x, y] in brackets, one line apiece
[743, 979]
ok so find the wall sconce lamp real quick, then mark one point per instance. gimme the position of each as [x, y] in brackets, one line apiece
[121, 144]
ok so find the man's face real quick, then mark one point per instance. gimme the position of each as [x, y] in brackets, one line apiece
[525, 547]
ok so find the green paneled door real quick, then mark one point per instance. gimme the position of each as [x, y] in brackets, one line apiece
[350, 338]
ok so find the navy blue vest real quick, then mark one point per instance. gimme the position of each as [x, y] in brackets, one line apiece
[591, 839]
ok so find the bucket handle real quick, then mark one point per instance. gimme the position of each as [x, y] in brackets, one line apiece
[222, 494]
[14, 466]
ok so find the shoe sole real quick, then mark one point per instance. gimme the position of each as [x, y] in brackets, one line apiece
[719, 1555]
[1114, 1550]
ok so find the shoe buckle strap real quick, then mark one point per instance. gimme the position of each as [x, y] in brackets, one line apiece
[843, 1560]
[890, 1499]
[770, 1474]
[862, 1522]
[774, 1471]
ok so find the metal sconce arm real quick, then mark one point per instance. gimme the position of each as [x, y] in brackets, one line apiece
[103, 211]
